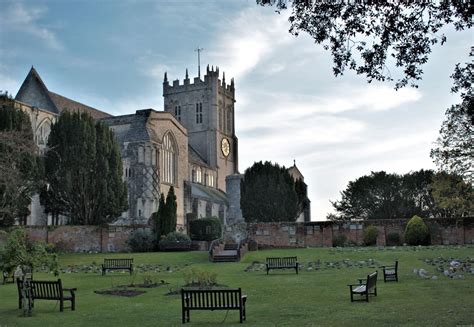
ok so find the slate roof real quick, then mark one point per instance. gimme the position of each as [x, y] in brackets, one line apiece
[66, 104]
[51, 101]
[195, 157]
[208, 193]
[138, 131]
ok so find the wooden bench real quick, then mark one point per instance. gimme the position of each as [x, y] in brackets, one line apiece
[390, 273]
[369, 286]
[282, 263]
[48, 290]
[117, 264]
[217, 299]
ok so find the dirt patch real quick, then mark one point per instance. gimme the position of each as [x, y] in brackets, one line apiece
[146, 285]
[120, 292]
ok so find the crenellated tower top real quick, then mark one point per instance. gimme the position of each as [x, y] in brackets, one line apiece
[211, 78]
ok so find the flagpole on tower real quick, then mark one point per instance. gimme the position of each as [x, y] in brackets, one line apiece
[199, 60]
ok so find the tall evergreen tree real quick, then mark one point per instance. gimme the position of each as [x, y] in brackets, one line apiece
[158, 218]
[83, 168]
[170, 212]
[268, 194]
[19, 173]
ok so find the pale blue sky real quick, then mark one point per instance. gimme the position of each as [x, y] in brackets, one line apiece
[112, 55]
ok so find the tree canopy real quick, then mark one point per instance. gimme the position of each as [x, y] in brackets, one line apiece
[268, 194]
[19, 163]
[371, 37]
[83, 169]
[424, 193]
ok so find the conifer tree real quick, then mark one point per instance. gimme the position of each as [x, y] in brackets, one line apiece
[83, 169]
[158, 218]
[170, 212]
[268, 194]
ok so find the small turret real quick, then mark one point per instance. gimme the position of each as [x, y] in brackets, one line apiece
[223, 79]
[165, 79]
[186, 79]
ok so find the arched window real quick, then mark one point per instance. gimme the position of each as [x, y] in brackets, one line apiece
[168, 160]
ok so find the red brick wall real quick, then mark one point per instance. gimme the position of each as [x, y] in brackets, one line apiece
[444, 231]
[113, 238]
[82, 238]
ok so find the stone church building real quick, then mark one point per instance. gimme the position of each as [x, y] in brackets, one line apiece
[190, 145]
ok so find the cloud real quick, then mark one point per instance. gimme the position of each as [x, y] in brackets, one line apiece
[249, 39]
[27, 19]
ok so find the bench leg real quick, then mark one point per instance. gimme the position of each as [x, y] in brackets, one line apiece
[296, 270]
[61, 305]
[241, 316]
[183, 316]
[73, 304]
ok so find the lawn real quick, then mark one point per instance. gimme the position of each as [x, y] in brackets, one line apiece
[317, 296]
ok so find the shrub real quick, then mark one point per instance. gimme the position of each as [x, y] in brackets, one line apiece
[339, 240]
[175, 241]
[416, 232]
[200, 278]
[393, 238]
[205, 229]
[370, 235]
[141, 240]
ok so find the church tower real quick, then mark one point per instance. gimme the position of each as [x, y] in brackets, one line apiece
[206, 110]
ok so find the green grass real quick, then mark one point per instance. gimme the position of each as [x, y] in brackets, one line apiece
[312, 298]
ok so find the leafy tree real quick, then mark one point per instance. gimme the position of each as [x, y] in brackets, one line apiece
[454, 150]
[384, 196]
[19, 163]
[417, 195]
[268, 194]
[21, 253]
[368, 36]
[83, 170]
[375, 196]
[453, 196]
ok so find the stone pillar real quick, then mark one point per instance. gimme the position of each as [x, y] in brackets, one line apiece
[235, 228]
[234, 213]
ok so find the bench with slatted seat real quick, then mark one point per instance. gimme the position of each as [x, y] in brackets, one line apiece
[365, 287]
[48, 290]
[390, 273]
[212, 299]
[117, 264]
[282, 263]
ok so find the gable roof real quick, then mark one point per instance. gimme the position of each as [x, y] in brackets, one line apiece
[195, 157]
[295, 172]
[66, 104]
[34, 92]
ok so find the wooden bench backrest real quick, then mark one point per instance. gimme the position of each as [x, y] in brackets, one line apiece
[371, 280]
[47, 290]
[202, 299]
[118, 262]
[282, 261]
